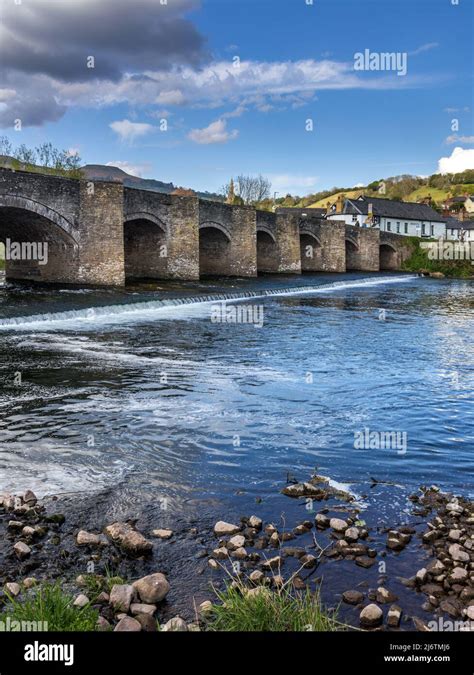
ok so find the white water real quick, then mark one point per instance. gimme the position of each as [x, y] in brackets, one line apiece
[183, 308]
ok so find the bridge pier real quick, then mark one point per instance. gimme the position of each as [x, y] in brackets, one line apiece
[322, 245]
[278, 248]
[362, 249]
[227, 240]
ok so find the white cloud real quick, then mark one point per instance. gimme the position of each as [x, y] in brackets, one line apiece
[459, 139]
[133, 169]
[293, 183]
[460, 160]
[424, 48]
[216, 132]
[173, 97]
[129, 131]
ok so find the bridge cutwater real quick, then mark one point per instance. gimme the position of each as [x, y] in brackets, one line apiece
[102, 233]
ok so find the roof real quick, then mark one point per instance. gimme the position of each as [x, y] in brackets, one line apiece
[455, 224]
[389, 208]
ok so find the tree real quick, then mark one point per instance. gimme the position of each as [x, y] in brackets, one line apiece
[25, 154]
[5, 146]
[183, 192]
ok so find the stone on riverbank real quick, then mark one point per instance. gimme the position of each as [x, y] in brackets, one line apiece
[128, 625]
[13, 589]
[128, 539]
[352, 597]
[222, 529]
[84, 538]
[162, 534]
[394, 616]
[81, 601]
[22, 550]
[121, 597]
[152, 589]
[371, 616]
[175, 625]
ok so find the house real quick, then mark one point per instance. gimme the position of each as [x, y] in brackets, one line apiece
[469, 204]
[460, 230]
[415, 220]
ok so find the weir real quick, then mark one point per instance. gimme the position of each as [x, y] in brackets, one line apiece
[100, 233]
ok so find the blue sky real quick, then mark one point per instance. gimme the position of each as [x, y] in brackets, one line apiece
[227, 117]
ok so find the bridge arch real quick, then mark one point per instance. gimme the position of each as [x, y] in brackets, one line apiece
[214, 249]
[352, 254]
[40, 244]
[310, 251]
[145, 246]
[267, 250]
[389, 257]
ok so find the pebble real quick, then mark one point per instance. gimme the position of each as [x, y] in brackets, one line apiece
[175, 625]
[22, 550]
[394, 616]
[458, 554]
[13, 589]
[128, 539]
[221, 553]
[81, 601]
[236, 542]
[352, 597]
[140, 608]
[338, 525]
[257, 577]
[352, 534]
[371, 616]
[256, 522]
[383, 595]
[152, 588]
[29, 582]
[272, 563]
[121, 597]
[162, 534]
[128, 625]
[321, 521]
[221, 528]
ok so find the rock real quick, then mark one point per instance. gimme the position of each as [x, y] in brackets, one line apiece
[352, 534]
[338, 525]
[206, 608]
[102, 625]
[30, 498]
[22, 550]
[308, 561]
[153, 588]
[128, 539]
[29, 532]
[395, 544]
[257, 577]
[81, 601]
[256, 522]
[29, 582]
[352, 597]
[88, 539]
[213, 564]
[420, 576]
[175, 625]
[321, 521]
[15, 525]
[436, 567]
[470, 612]
[278, 581]
[121, 597]
[147, 622]
[272, 563]
[394, 616]
[458, 554]
[433, 589]
[274, 540]
[436, 275]
[259, 592]
[103, 598]
[298, 583]
[162, 534]
[451, 606]
[240, 553]
[458, 575]
[236, 542]
[220, 553]
[365, 561]
[222, 529]
[194, 628]
[270, 529]
[371, 616]
[140, 608]
[128, 625]
[13, 589]
[420, 625]
[302, 490]
[431, 536]
[455, 535]
[454, 507]
[384, 595]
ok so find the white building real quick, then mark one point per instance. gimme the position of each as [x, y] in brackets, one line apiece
[413, 220]
[458, 230]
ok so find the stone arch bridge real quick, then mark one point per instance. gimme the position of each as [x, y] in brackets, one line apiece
[101, 233]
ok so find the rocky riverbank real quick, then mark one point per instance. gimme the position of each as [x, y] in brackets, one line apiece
[373, 576]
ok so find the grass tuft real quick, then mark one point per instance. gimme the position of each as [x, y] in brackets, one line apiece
[49, 605]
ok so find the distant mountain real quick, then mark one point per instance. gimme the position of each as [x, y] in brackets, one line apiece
[113, 173]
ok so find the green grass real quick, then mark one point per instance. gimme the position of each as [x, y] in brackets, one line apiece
[49, 605]
[283, 610]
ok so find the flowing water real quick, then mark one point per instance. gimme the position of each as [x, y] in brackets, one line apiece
[143, 389]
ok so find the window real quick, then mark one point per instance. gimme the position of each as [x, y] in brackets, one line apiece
[432, 230]
[423, 229]
[354, 217]
[398, 228]
[389, 227]
[406, 228]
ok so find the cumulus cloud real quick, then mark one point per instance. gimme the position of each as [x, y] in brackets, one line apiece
[459, 161]
[129, 131]
[216, 132]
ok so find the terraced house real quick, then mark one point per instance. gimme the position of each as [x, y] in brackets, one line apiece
[413, 220]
